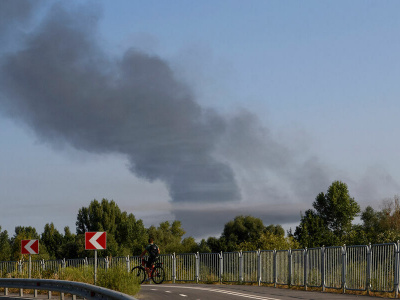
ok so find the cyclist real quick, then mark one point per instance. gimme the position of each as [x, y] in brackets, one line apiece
[153, 250]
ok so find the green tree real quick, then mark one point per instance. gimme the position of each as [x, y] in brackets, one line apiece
[26, 233]
[168, 236]
[203, 247]
[53, 240]
[125, 235]
[312, 231]
[242, 229]
[69, 246]
[131, 235]
[5, 247]
[337, 208]
[331, 221]
[98, 216]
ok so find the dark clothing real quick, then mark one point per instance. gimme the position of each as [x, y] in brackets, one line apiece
[152, 250]
[150, 262]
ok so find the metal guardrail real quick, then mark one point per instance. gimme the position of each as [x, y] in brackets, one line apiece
[83, 290]
[374, 268]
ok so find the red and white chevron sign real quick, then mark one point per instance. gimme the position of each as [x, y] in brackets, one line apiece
[95, 240]
[30, 247]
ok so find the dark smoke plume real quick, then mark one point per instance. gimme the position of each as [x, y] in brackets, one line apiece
[68, 90]
[63, 84]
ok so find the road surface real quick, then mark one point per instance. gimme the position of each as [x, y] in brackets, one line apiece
[234, 292]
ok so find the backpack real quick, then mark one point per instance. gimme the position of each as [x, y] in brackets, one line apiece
[153, 251]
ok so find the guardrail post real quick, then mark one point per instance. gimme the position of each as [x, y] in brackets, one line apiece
[259, 267]
[173, 267]
[369, 260]
[240, 266]
[305, 267]
[5, 291]
[323, 268]
[344, 262]
[63, 264]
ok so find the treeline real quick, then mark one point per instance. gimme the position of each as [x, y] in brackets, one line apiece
[328, 223]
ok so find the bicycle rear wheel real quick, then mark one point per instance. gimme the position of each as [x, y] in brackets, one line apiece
[139, 273]
[158, 275]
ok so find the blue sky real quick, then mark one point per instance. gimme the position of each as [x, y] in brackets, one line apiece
[319, 79]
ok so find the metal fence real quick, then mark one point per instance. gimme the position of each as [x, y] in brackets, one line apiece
[373, 268]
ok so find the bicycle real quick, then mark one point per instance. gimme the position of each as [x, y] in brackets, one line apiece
[157, 272]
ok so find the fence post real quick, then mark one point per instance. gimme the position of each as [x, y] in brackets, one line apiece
[221, 267]
[240, 266]
[173, 267]
[290, 267]
[20, 266]
[305, 267]
[107, 262]
[323, 268]
[275, 268]
[258, 266]
[197, 266]
[369, 260]
[128, 263]
[397, 270]
[344, 262]
[63, 264]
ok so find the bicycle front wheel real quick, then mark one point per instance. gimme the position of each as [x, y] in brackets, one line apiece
[158, 275]
[139, 273]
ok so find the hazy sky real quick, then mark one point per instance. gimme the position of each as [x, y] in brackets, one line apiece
[195, 110]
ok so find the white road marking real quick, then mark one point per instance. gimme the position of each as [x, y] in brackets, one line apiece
[182, 295]
[250, 296]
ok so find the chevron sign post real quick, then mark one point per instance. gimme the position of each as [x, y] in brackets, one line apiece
[95, 241]
[30, 247]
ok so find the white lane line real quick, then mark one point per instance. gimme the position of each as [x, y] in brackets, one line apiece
[182, 295]
[250, 296]
[168, 292]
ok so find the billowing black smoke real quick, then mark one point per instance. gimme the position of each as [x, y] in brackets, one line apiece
[63, 85]
[58, 80]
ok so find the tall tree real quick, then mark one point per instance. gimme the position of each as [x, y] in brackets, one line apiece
[98, 216]
[53, 240]
[337, 208]
[332, 219]
[168, 236]
[125, 235]
[5, 247]
[242, 229]
[26, 233]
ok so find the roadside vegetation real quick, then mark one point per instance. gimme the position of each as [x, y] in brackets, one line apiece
[330, 221]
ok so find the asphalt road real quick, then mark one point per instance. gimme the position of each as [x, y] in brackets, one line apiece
[234, 292]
